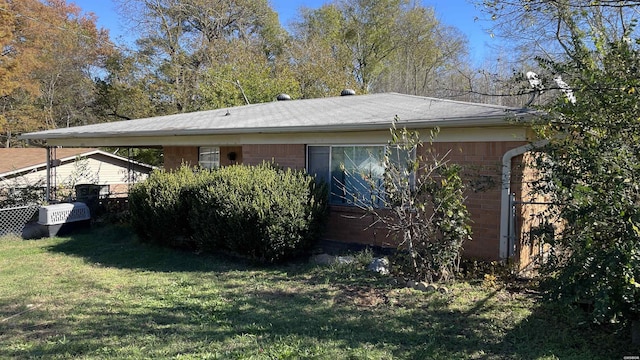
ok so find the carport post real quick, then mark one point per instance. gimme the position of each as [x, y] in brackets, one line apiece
[47, 193]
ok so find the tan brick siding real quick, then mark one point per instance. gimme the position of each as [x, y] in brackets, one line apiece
[482, 170]
[482, 166]
[288, 156]
[352, 225]
[225, 155]
[531, 212]
[291, 156]
[174, 156]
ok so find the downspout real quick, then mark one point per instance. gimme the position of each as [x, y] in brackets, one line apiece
[505, 250]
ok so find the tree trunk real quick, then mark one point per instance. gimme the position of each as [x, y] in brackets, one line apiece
[412, 253]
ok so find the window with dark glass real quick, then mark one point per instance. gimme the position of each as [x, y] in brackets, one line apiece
[353, 172]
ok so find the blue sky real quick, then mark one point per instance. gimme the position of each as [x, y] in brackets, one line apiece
[458, 13]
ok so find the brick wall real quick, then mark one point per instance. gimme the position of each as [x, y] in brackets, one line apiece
[352, 225]
[482, 170]
[532, 213]
[174, 156]
[291, 156]
[225, 155]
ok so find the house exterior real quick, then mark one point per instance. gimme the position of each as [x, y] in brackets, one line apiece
[70, 168]
[490, 142]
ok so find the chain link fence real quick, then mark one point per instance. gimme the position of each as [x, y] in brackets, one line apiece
[19, 207]
[14, 219]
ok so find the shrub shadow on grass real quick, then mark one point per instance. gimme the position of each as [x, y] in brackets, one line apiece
[259, 322]
[119, 247]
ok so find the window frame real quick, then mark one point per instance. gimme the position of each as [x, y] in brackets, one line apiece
[329, 174]
[210, 164]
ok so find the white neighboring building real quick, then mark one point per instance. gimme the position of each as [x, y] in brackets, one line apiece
[111, 174]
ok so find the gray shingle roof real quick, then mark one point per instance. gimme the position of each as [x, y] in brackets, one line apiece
[347, 113]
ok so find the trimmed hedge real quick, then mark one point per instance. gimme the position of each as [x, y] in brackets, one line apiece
[258, 212]
[157, 208]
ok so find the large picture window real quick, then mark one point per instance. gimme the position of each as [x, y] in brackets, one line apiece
[209, 157]
[351, 171]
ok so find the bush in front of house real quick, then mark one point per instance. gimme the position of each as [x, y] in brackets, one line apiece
[157, 207]
[259, 212]
[421, 203]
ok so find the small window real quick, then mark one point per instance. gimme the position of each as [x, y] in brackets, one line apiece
[209, 157]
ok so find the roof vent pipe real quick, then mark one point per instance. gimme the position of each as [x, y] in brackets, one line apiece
[347, 92]
[283, 97]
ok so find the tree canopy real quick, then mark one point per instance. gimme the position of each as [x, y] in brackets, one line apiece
[50, 54]
[377, 46]
[59, 69]
[190, 49]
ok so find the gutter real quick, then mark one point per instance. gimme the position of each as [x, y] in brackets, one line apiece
[506, 246]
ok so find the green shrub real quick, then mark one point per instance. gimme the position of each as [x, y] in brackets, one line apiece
[157, 207]
[258, 212]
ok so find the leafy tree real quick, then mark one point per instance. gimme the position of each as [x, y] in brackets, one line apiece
[185, 42]
[247, 76]
[427, 54]
[590, 171]
[590, 167]
[322, 66]
[122, 94]
[50, 54]
[369, 33]
[374, 46]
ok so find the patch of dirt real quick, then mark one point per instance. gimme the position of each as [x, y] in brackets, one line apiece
[361, 296]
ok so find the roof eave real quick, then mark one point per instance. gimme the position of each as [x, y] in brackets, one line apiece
[414, 124]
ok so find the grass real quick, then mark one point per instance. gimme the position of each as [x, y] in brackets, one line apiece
[102, 294]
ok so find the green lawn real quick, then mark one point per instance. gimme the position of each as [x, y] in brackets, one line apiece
[102, 294]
